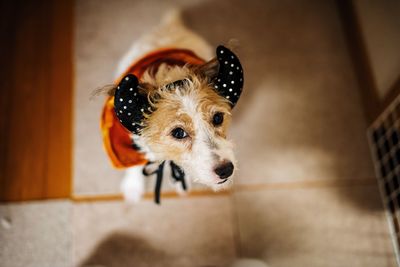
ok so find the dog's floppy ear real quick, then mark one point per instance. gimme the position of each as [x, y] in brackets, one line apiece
[209, 69]
[130, 105]
[226, 74]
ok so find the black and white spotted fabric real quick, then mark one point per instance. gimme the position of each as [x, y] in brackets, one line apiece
[129, 105]
[229, 81]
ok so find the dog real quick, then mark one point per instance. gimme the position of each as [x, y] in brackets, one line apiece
[178, 110]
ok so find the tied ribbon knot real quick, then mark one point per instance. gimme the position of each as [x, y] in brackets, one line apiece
[176, 172]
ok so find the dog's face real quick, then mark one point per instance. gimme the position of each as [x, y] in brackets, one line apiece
[183, 113]
[189, 126]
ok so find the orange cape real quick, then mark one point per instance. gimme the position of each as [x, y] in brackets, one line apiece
[117, 140]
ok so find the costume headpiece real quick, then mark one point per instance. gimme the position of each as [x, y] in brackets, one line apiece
[130, 105]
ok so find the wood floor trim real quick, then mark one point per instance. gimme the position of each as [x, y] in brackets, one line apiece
[307, 184]
[238, 188]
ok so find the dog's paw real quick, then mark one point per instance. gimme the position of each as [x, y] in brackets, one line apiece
[132, 185]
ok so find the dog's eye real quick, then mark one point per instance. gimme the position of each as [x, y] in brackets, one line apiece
[218, 118]
[179, 133]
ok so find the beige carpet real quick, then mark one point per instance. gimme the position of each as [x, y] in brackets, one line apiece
[300, 116]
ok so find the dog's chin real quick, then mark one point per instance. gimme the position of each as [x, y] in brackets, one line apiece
[217, 184]
[223, 185]
[208, 178]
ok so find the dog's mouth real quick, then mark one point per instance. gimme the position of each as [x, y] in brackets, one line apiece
[222, 181]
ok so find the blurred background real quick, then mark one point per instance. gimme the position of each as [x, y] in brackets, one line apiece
[316, 134]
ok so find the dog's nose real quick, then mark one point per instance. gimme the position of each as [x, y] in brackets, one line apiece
[224, 170]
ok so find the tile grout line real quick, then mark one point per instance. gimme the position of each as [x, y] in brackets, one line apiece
[235, 227]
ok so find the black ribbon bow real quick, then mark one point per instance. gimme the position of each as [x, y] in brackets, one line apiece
[177, 174]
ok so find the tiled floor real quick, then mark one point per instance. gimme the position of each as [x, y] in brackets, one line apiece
[190, 232]
[294, 226]
[36, 234]
[314, 227]
[321, 226]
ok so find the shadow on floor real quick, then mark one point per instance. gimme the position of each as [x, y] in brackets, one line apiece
[122, 250]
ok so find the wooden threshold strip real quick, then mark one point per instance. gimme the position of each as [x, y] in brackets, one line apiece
[238, 188]
[150, 196]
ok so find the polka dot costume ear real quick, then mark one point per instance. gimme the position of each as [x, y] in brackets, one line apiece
[229, 81]
[129, 105]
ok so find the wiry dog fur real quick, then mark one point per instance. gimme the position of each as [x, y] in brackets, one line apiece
[190, 107]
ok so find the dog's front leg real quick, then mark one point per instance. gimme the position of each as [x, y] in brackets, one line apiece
[132, 185]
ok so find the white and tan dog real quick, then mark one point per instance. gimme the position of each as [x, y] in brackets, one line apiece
[180, 113]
